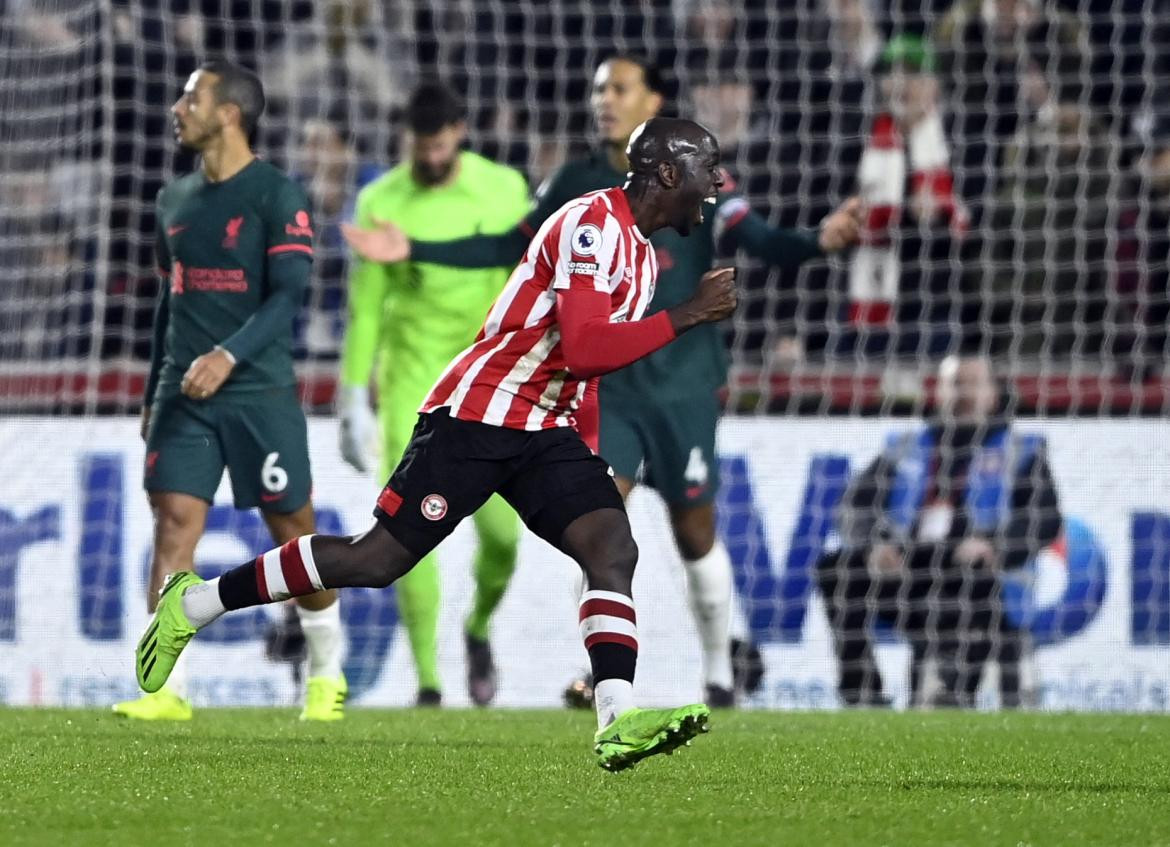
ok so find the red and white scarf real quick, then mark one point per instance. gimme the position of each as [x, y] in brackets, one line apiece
[875, 270]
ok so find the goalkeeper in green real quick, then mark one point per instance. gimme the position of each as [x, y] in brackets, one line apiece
[414, 318]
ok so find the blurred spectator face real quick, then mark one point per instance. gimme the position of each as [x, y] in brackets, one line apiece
[197, 117]
[1008, 16]
[1066, 133]
[1156, 175]
[910, 96]
[621, 101]
[433, 156]
[725, 109]
[322, 147]
[966, 391]
[325, 158]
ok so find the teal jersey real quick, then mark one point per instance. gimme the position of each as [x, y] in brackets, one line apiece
[697, 361]
[236, 256]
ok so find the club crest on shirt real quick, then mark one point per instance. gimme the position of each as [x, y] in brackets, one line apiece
[231, 236]
[434, 507]
[586, 240]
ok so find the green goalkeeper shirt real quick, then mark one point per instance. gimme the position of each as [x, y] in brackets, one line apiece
[695, 363]
[416, 315]
[236, 257]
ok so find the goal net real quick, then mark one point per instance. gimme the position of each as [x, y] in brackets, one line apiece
[1013, 163]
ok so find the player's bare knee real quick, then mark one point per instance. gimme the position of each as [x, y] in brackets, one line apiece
[694, 543]
[694, 531]
[611, 567]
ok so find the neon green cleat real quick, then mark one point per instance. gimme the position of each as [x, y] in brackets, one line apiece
[167, 634]
[325, 699]
[638, 733]
[164, 705]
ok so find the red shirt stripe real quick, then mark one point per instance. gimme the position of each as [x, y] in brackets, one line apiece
[290, 248]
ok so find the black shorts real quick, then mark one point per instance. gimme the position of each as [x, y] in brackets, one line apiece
[451, 467]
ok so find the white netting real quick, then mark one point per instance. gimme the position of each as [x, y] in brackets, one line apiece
[1041, 237]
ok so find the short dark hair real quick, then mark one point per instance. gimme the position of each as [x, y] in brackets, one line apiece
[433, 106]
[239, 86]
[651, 74]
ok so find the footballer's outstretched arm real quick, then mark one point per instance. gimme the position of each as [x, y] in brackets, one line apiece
[386, 242]
[744, 229]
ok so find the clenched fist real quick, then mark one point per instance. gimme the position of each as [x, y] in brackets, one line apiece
[713, 300]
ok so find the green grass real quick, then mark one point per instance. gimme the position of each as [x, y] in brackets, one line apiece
[472, 778]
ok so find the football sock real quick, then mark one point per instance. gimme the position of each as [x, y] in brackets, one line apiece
[418, 606]
[283, 572]
[610, 632]
[202, 603]
[709, 591]
[495, 560]
[323, 639]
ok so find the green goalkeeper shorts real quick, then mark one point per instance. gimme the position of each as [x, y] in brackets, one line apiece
[669, 445]
[262, 440]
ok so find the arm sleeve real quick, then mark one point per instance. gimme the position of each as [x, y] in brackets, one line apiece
[290, 252]
[493, 251]
[475, 251]
[589, 417]
[740, 228]
[593, 346]
[365, 301]
[1035, 521]
[162, 309]
[158, 341]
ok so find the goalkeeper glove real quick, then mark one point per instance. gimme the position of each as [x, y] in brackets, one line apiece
[359, 428]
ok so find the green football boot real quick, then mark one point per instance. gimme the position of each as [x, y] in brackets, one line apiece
[167, 635]
[163, 705]
[638, 733]
[325, 698]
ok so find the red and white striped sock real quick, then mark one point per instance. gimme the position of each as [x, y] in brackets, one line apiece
[286, 571]
[609, 628]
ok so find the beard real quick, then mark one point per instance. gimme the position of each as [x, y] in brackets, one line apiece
[432, 174]
[199, 137]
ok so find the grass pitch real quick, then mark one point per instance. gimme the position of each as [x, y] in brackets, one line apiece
[506, 777]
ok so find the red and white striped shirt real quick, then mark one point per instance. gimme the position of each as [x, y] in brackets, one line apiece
[517, 373]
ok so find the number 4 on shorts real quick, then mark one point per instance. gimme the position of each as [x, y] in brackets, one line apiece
[696, 472]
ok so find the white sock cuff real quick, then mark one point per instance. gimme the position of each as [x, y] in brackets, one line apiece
[305, 543]
[717, 554]
[330, 614]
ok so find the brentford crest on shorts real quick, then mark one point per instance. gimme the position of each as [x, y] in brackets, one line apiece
[434, 507]
[514, 374]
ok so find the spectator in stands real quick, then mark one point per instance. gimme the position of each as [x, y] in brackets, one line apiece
[326, 164]
[1002, 60]
[1049, 230]
[904, 179]
[925, 533]
[346, 58]
[1141, 284]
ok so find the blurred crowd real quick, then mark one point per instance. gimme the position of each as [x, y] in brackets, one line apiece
[1012, 155]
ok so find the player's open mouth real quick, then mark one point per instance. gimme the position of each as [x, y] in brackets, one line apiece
[706, 200]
